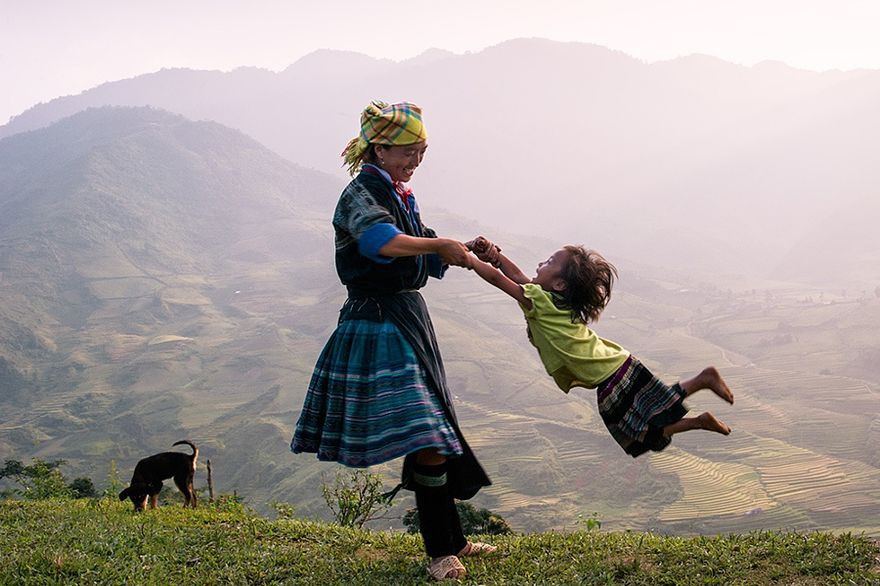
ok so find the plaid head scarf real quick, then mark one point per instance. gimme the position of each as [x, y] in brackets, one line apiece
[395, 124]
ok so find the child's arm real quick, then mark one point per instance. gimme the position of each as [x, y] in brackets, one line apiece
[495, 277]
[511, 271]
[488, 252]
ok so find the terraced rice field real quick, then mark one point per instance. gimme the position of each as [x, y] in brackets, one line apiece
[801, 477]
[796, 487]
[711, 489]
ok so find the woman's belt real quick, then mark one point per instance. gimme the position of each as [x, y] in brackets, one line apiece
[368, 307]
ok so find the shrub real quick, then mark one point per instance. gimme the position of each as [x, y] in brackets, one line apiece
[355, 497]
[474, 521]
[40, 480]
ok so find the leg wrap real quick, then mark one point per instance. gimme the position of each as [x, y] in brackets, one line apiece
[440, 528]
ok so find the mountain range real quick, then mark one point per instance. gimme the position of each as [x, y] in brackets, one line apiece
[693, 164]
[165, 279]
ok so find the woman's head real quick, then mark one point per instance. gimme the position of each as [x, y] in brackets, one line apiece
[399, 161]
[581, 278]
[384, 130]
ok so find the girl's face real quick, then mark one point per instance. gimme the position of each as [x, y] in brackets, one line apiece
[401, 161]
[549, 272]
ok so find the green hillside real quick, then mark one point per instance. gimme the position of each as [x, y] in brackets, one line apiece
[166, 279]
[156, 274]
[102, 542]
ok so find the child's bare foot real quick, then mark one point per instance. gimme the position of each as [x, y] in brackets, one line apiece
[711, 379]
[711, 423]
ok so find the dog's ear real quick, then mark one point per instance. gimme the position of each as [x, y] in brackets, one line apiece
[124, 494]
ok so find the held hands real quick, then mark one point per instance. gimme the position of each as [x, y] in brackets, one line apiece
[453, 252]
[485, 250]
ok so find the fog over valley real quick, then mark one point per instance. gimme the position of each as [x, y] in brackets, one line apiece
[693, 163]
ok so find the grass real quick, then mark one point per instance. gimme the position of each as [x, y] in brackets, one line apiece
[104, 542]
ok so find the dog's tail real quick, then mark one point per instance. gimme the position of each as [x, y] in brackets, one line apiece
[195, 454]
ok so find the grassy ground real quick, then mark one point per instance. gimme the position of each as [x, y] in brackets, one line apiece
[103, 542]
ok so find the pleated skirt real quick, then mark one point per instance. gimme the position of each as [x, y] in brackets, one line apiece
[369, 400]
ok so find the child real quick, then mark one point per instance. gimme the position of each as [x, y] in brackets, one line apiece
[570, 289]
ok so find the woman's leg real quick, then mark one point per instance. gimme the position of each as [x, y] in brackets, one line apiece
[711, 379]
[460, 545]
[439, 523]
[456, 534]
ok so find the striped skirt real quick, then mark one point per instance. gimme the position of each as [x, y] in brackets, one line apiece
[636, 406]
[369, 400]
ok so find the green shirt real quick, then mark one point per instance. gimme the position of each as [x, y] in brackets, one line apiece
[571, 352]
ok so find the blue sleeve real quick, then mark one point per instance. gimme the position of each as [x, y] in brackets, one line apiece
[436, 268]
[374, 238]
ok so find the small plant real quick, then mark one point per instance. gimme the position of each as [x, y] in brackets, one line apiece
[114, 485]
[284, 510]
[230, 503]
[591, 522]
[355, 497]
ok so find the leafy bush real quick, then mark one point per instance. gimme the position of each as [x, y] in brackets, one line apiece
[474, 521]
[83, 488]
[43, 480]
[355, 497]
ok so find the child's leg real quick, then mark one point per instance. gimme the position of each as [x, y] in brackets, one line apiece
[711, 379]
[705, 421]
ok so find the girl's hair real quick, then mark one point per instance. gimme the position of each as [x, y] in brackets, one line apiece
[588, 280]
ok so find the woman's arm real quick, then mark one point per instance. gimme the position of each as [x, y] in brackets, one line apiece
[451, 251]
[498, 279]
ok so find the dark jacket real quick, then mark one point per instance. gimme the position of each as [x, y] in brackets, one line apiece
[382, 292]
[368, 200]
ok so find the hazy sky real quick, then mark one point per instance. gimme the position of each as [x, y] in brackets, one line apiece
[50, 48]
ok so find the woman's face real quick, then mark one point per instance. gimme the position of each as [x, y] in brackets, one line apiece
[401, 161]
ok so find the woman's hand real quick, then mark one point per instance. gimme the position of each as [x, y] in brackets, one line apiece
[453, 252]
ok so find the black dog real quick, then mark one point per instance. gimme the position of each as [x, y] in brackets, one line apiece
[150, 472]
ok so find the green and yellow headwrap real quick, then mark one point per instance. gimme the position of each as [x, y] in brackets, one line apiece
[395, 124]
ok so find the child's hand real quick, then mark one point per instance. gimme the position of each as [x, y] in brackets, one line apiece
[485, 250]
[479, 245]
[472, 245]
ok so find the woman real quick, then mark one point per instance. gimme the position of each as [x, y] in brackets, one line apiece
[378, 391]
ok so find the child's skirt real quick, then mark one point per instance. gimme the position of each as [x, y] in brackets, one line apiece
[369, 400]
[636, 406]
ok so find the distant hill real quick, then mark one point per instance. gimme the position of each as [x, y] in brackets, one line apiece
[693, 163]
[135, 246]
[166, 279]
